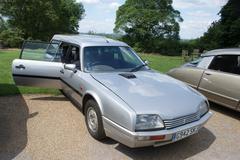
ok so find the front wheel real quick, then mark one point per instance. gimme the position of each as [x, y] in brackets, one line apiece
[93, 120]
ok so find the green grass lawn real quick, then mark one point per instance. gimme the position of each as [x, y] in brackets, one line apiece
[162, 63]
[7, 87]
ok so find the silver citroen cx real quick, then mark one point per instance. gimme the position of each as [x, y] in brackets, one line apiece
[120, 96]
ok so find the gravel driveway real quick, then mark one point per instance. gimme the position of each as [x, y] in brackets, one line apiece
[47, 127]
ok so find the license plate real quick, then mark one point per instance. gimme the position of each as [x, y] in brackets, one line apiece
[185, 133]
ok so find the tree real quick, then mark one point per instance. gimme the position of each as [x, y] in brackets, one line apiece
[230, 23]
[211, 39]
[144, 22]
[225, 32]
[2, 24]
[11, 37]
[40, 19]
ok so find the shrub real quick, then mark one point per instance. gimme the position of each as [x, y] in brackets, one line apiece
[11, 38]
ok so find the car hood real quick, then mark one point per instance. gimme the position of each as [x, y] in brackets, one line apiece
[149, 92]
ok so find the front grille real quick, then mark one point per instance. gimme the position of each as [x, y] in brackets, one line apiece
[173, 123]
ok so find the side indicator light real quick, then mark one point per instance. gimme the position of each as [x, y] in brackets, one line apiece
[162, 137]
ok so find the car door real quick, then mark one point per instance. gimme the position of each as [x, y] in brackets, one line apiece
[189, 75]
[192, 72]
[36, 66]
[72, 78]
[220, 82]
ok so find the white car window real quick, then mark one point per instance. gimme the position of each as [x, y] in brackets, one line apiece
[39, 51]
[205, 62]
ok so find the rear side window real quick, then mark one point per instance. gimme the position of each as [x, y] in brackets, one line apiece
[226, 63]
[40, 51]
[205, 62]
[195, 62]
[202, 62]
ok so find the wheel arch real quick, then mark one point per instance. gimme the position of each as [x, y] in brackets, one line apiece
[91, 95]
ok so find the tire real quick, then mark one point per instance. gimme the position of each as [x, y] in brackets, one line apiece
[92, 117]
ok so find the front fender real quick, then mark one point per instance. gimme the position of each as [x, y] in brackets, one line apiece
[95, 97]
[113, 108]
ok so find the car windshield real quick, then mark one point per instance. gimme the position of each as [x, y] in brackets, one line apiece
[111, 59]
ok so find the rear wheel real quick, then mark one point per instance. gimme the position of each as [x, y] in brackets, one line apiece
[93, 120]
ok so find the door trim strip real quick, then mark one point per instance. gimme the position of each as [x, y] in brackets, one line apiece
[32, 76]
[48, 77]
[217, 94]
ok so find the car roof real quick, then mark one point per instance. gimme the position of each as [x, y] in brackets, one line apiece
[216, 52]
[88, 40]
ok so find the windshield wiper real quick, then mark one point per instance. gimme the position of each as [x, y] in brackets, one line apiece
[137, 68]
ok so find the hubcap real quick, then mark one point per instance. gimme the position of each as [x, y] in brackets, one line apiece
[92, 119]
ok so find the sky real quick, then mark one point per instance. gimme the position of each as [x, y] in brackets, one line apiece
[197, 14]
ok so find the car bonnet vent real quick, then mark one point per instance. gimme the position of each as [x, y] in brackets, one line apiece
[128, 75]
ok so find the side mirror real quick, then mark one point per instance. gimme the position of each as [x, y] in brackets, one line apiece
[71, 67]
[146, 62]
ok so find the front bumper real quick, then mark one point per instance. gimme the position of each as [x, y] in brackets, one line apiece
[138, 139]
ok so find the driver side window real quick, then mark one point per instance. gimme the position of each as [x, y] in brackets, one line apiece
[70, 54]
[75, 56]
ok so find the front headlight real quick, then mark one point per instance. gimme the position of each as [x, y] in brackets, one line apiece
[146, 122]
[203, 108]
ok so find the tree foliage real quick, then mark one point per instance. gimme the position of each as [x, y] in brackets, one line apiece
[143, 23]
[225, 32]
[40, 19]
[11, 37]
[211, 39]
[230, 23]
[2, 24]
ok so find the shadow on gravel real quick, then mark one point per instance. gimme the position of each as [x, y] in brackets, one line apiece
[180, 150]
[14, 114]
[224, 110]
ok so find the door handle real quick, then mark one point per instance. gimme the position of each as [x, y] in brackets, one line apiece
[208, 74]
[62, 71]
[20, 66]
